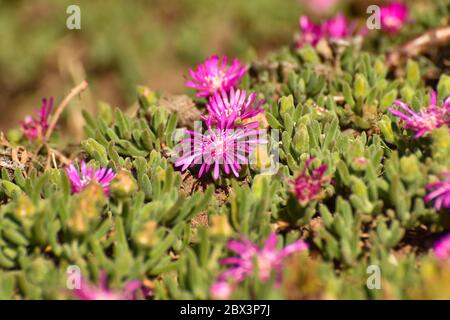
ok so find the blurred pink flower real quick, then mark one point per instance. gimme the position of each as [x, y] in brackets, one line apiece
[253, 260]
[442, 248]
[88, 291]
[78, 182]
[394, 16]
[440, 192]
[337, 27]
[320, 7]
[224, 146]
[213, 75]
[36, 128]
[221, 290]
[308, 185]
[222, 105]
[427, 119]
[310, 33]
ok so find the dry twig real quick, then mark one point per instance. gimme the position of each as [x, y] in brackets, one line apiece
[431, 39]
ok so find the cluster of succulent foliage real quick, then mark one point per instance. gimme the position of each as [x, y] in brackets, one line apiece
[170, 230]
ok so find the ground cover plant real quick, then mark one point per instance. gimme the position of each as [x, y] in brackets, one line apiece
[319, 172]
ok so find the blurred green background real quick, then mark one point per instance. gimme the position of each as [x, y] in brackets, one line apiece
[125, 43]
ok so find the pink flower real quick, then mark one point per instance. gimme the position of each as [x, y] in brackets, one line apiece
[36, 128]
[440, 192]
[221, 290]
[394, 16]
[333, 29]
[253, 260]
[88, 291]
[442, 248]
[212, 76]
[337, 27]
[221, 146]
[308, 185]
[236, 103]
[102, 176]
[426, 120]
[310, 33]
[320, 7]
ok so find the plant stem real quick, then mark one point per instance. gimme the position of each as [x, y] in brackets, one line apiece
[75, 91]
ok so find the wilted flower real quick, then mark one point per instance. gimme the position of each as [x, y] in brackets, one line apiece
[394, 16]
[78, 182]
[34, 128]
[310, 32]
[221, 146]
[252, 260]
[442, 248]
[124, 184]
[427, 119]
[212, 76]
[88, 291]
[308, 185]
[440, 192]
[235, 104]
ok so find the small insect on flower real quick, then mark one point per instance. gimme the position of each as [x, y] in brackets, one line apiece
[88, 291]
[440, 192]
[79, 181]
[309, 184]
[34, 128]
[394, 16]
[225, 145]
[253, 260]
[310, 32]
[214, 75]
[427, 119]
[442, 249]
[235, 104]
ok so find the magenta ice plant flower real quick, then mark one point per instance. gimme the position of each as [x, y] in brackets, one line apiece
[394, 16]
[236, 104]
[34, 128]
[337, 27]
[252, 260]
[224, 146]
[427, 119]
[440, 192]
[442, 249]
[79, 180]
[214, 75]
[310, 32]
[309, 183]
[88, 291]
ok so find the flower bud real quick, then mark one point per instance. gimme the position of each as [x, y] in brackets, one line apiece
[24, 208]
[86, 208]
[123, 184]
[386, 129]
[146, 235]
[220, 226]
[261, 158]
